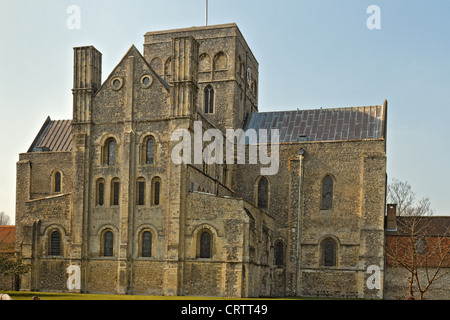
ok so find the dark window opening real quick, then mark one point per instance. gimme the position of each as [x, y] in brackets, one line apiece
[209, 99]
[329, 253]
[57, 182]
[205, 245]
[141, 193]
[101, 193]
[263, 191]
[55, 244]
[156, 191]
[147, 244]
[279, 253]
[108, 245]
[115, 193]
[327, 193]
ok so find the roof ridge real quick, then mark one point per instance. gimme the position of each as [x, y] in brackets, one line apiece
[321, 108]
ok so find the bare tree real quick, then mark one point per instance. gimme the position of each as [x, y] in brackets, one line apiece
[5, 220]
[421, 246]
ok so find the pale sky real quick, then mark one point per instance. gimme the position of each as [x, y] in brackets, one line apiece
[311, 54]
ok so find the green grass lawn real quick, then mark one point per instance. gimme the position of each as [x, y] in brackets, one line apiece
[16, 295]
[20, 295]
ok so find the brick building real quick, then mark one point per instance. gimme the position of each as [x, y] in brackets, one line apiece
[100, 191]
[7, 240]
[417, 245]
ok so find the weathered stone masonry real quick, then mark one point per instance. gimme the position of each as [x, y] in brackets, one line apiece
[136, 223]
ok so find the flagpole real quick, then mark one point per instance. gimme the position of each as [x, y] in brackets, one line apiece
[206, 13]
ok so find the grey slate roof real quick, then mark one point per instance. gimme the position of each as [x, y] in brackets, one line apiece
[355, 123]
[54, 136]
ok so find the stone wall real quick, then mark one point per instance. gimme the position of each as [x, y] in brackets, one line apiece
[397, 284]
[355, 221]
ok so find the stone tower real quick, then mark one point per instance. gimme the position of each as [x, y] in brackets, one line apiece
[225, 64]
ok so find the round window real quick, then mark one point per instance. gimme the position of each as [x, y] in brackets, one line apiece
[146, 81]
[116, 83]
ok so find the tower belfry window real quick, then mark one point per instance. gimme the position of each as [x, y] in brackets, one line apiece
[209, 99]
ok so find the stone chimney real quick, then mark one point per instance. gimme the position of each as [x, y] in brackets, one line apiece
[391, 219]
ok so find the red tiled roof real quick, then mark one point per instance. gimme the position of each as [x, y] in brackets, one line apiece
[430, 226]
[356, 123]
[54, 136]
[7, 238]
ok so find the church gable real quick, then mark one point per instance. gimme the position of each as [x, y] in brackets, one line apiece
[132, 92]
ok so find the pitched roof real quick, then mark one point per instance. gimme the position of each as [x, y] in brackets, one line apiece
[7, 238]
[54, 136]
[431, 226]
[355, 123]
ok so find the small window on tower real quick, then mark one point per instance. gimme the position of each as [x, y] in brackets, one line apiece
[209, 99]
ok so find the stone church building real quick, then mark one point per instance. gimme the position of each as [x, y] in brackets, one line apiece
[101, 192]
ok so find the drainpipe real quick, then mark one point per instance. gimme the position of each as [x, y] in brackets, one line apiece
[301, 154]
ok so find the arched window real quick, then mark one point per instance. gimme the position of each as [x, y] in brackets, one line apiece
[55, 243]
[156, 191]
[327, 193]
[109, 152]
[220, 61]
[150, 151]
[141, 192]
[108, 244]
[209, 99]
[204, 63]
[205, 245]
[279, 253]
[328, 253]
[115, 192]
[57, 182]
[263, 193]
[146, 244]
[100, 192]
